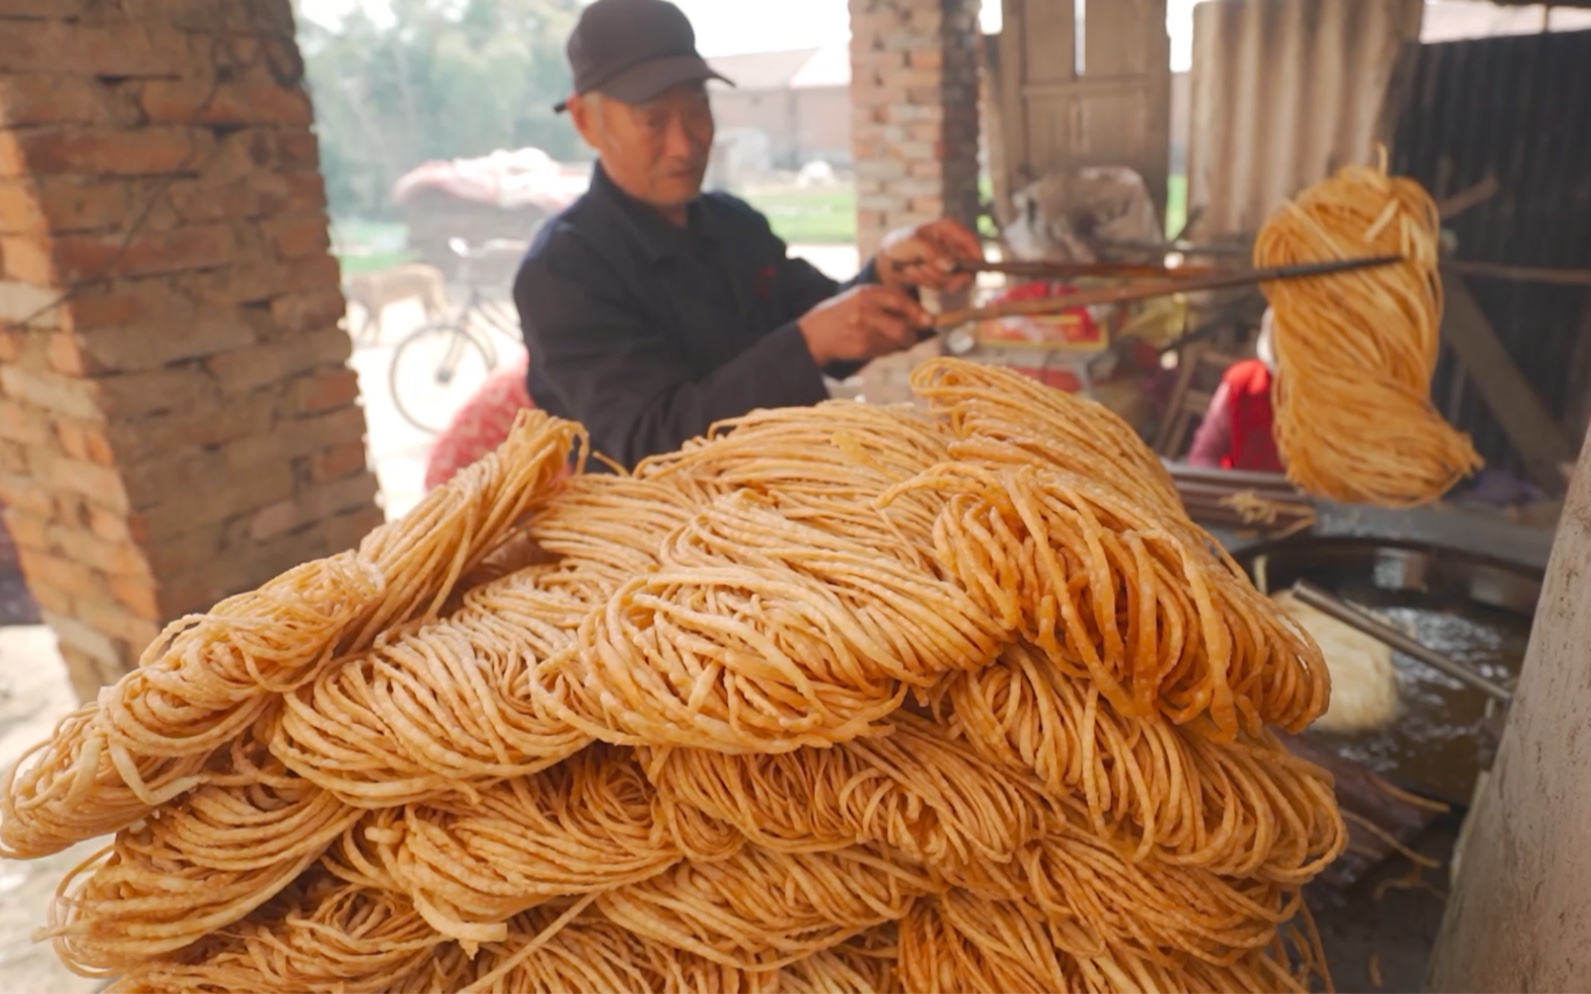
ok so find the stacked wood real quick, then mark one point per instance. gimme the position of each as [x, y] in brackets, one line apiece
[1222, 498]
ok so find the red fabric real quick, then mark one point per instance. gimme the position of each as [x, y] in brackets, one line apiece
[1253, 439]
[481, 425]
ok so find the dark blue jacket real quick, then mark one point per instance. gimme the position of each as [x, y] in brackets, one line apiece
[647, 333]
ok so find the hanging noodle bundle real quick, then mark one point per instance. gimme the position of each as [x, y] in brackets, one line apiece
[840, 699]
[1356, 351]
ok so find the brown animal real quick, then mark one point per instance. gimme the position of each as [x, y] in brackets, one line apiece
[375, 292]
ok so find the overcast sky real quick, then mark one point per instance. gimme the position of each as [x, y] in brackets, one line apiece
[733, 27]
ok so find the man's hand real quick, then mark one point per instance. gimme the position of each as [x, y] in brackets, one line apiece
[925, 256]
[863, 323]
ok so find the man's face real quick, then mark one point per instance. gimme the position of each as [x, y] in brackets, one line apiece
[656, 152]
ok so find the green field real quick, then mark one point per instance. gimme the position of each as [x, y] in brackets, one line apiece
[809, 217]
[801, 217]
[368, 246]
[1176, 204]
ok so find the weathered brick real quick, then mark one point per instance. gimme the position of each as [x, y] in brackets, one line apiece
[185, 553]
[127, 303]
[64, 356]
[151, 481]
[252, 368]
[100, 484]
[23, 424]
[13, 457]
[297, 237]
[346, 530]
[184, 510]
[21, 302]
[156, 344]
[324, 390]
[85, 257]
[109, 558]
[183, 429]
[321, 269]
[109, 526]
[70, 509]
[50, 46]
[41, 9]
[337, 461]
[136, 395]
[314, 309]
[201, 102]
[297, 437]
[20, 210]
[26, 259]
[30, 100]
[306, 192]
[85, 441]
[114, 619]
[297, 150]
[240, 283]
[277, 519]
[77, 204]
[58, 394]
[73, 579]
[136, 594]
[28, 531]
[26, 493]
[106, 151]
[49, 597]
[259, 194]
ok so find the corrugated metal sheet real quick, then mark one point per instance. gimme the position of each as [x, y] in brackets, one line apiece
[1520, 109]
[1284, 91]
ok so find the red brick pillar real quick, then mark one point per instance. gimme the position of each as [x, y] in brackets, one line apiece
[177, 419]
[914, 84]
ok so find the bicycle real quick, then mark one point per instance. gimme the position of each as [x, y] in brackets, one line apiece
[439, 366]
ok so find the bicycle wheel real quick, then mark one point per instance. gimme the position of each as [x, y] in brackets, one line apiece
[435, 371]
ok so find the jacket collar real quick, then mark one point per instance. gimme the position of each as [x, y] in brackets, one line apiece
[660, 240]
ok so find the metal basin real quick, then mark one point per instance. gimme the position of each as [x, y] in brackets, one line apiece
[1470, 607]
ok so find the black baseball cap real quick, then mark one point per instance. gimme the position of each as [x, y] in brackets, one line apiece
[634, 50]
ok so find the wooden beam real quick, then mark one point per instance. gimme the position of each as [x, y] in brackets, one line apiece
[1464, 200]
[1519, 274]
[1535, 434]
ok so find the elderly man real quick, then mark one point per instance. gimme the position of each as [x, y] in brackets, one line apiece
[651, 309]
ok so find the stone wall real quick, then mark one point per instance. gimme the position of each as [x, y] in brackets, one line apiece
[177, 419]
[914, 86]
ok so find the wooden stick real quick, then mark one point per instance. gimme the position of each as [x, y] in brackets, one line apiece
[1463, 200]
[1039, 269]
[1159, 288]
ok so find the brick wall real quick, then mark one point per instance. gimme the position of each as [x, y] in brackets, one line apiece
[914, 84]
[177, 419]
[914, 131]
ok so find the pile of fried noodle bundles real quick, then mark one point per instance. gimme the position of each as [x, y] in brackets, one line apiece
[939, 698]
